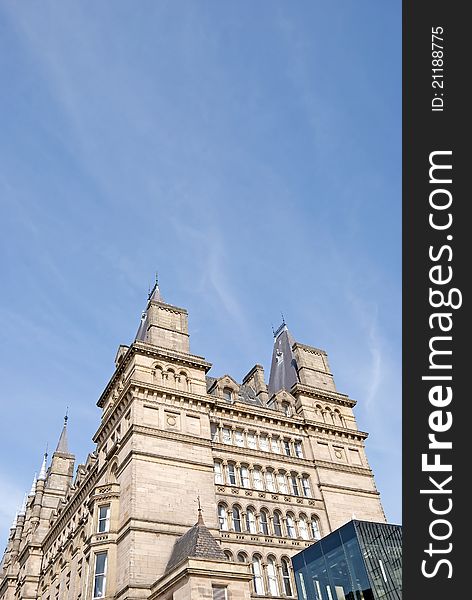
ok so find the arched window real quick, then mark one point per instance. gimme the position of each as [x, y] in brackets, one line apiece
[270, 483]
[236, 514]
[282, 483]
[264, 443]
[315, 528]
[303, 527]
[218, 472]
[158, 374]
[242, 557]
[306, 486]
[277, 524]
[251, 521]
[264, 521]
[231, 474]
[287, 583]
[291, 531]
[245, 477]
[257, 477]
[294, 484]
[286, 408]
[272, 576]
[227, 394]
[259, 587]
[223, 517]
[228, 554]
[183, 380]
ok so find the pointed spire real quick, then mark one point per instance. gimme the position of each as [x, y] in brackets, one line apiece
[283, 370]
[155, 293]
[62, 445]
[22, 510]
[44, 467]
[33, 486]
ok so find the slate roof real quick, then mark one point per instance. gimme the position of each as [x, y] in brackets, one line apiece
[196, 543]
[283, 370]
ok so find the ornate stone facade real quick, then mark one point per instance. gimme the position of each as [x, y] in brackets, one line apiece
[274, 467]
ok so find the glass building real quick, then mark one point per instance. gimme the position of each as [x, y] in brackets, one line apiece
[359, 561]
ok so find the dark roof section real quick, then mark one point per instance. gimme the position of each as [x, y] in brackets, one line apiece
[209, 382]
[196, 543]
[247, 395]
[283, 370]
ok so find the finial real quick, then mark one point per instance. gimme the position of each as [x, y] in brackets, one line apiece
[273, 330]
[33, 486]
[200, 516]
[66, 416]
[43, 470]
[22, 510]
[283, 318]
[157, 279]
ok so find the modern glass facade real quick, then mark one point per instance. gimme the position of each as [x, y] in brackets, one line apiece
[359, 561]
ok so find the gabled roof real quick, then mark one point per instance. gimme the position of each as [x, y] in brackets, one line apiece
[196, 543]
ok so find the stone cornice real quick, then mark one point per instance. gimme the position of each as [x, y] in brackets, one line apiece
[345, 488]
[314, 392]
[335, 466]
[335, 430]
[310, 349]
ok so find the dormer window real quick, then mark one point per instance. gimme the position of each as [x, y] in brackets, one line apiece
[287, 410]
[227, 394]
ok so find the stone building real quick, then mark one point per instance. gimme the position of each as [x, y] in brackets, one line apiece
[198, 486]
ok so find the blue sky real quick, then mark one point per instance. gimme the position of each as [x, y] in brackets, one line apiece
[247, 151]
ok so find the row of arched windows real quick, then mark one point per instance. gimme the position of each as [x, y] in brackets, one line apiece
[269, 576]
[169, 377]
[248, 520]
[331, 416]
[253, 440]
[260, 478]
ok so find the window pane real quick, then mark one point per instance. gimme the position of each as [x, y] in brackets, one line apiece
[282, 483]
[272, 578]
[218, 473]
[100, 575]
[315, 529]
[270, 481]
[264, 523]
[219, 593]
[214, 433]
[294, 482]
[298, 449]
[103, 519]
[287, 447]
[277, 525]
[223, 517]
[264, 443]
[226, 435]
[286, 578]
[306, 487]
[245, 477]
[239, 438]
[236, 519]
[274, 445]
[231, 475]
[251, 440]
[291, 527]
[257, 475]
